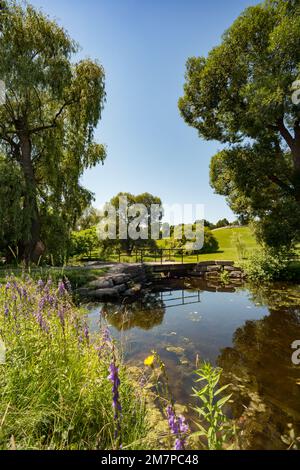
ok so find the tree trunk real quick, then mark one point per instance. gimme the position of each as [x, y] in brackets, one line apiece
[32, 246]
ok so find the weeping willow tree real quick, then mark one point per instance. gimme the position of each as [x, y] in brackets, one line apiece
[47, 121]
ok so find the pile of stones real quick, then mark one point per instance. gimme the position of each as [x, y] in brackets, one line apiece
[121, 281]
[213, 270]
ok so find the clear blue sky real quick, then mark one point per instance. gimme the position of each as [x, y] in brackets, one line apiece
[143, 46]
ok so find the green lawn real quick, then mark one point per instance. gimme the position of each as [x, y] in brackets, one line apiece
[78, 277]
[229, 240]
[227, 243]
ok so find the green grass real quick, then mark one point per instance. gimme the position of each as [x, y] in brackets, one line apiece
[227, 245]
[228, 239]
[54, 388]
[78, 277]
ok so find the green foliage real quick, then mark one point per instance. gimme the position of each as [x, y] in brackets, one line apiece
[84, 242]
[47, 129]
[268, 265]
[89, 219]
[214, 426]
[241, 95]
[222, 223]
[128, 245]
[54, 387]
[210, 243]
[11, 216]
[240, 246]
[78, 277]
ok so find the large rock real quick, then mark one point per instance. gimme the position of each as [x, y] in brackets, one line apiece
[230, 268]
[104, 283]
[105, 294]
[236, 275]
[120, 288]
[120, 278]
[135, 290]
[214, 268]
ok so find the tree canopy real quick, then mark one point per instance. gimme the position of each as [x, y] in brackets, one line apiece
[133, 216]
[47, 125]
[241, 95]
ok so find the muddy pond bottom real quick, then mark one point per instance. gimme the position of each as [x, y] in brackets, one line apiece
[248, 331]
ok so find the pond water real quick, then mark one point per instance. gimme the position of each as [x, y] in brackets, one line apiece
[246, 330]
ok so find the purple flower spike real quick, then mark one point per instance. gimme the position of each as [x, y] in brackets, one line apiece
[114, 378]
[61, 288]
[178, 427]
[41, 321]
[61, 316]
[179, 445]
[86, 332]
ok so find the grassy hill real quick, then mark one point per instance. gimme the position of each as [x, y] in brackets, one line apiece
[234, 243]
[229, 240]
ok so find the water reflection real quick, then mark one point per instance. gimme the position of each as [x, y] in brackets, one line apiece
[248, 331]
[265, 381]
[125, 317]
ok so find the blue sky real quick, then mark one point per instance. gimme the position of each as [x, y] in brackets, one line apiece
[143, 46]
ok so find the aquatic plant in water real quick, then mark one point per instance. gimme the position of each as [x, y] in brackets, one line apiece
[213, 424]
[177, 424]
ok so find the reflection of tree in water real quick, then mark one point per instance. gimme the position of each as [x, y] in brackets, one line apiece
[145, 313]
[264, 379]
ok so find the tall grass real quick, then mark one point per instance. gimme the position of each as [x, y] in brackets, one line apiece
[55, 392]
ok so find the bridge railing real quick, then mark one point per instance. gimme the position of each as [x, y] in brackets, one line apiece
[159, 255]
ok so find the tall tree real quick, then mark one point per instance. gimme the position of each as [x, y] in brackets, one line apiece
[142, 221]
[241, 96]
[47, 122]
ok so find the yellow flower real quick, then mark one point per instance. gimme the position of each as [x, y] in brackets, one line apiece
[149, 360]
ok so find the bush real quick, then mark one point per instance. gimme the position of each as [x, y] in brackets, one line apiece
[268, 265]
[55, 392]
[210, 244]
[84, 242]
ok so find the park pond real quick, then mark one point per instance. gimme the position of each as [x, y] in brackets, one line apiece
[247, 331]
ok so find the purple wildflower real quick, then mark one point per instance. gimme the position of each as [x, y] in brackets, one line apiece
[179, 445]
[67, 284]
[61, 316]
[41, 321]
[6, 310]
[178, 427]
[61, 288]
[115, 380]
[172, 420]
[40, 284]
[183, 426]
[86, 332]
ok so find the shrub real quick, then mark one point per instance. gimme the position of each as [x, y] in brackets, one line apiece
[268, 265]
[84, 242]
[210, 244]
